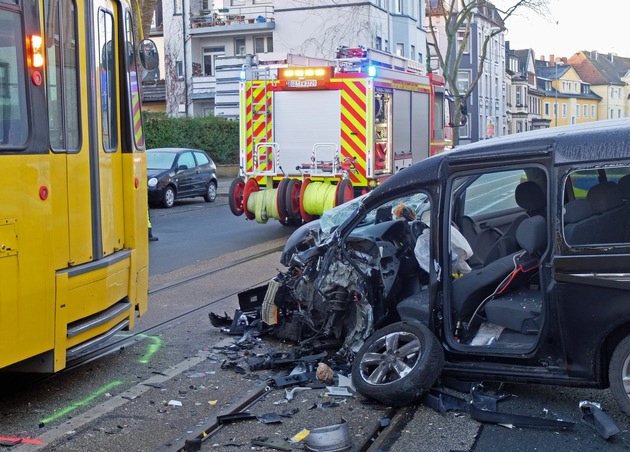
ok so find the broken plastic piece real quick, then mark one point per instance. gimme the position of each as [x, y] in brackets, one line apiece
[288, 412]
[243, 416]
[174, 403]
[269, 418]
[337, 391]
[594, 417]
[345, 382]
[293, 379]
[271, 443]
[219, 321]
[332, 438]
[495, 417]
[443, 402]
[291, 393]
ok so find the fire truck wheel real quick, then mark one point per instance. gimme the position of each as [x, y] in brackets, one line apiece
[281, 200]
[235, 197]
[251, 186]
[398, 363]
[344, 192]
[292, 199]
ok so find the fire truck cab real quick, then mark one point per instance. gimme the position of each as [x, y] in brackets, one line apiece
[315, 136]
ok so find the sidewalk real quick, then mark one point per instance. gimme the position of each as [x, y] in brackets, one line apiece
[223, 185]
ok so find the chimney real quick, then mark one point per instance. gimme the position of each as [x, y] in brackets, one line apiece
[542, 57]
[552, 60]
[611, 57]
[563, 60]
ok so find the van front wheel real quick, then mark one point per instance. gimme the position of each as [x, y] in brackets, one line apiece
[398, 363]
[619, 375]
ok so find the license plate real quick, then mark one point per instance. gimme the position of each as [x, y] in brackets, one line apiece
[302, 83]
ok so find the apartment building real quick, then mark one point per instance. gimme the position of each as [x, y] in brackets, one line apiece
[209, 41]
[567, 98]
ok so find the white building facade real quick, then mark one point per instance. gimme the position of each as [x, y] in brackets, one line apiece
[206, 43]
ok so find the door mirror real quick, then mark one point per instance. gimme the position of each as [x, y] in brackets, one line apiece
[149, 57]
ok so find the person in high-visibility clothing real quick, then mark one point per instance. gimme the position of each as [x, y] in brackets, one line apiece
[152, 238]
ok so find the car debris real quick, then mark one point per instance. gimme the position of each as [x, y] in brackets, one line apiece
[594, 417]
[333, 438]
[290, 393]
[271, 443]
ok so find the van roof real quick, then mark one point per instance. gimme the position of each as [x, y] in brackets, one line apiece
[593, 141]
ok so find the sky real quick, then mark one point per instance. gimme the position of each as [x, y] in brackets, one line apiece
[574, 25]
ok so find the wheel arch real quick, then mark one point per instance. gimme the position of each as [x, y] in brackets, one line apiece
[607, 349]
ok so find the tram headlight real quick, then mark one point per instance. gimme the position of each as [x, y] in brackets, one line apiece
[152, 182]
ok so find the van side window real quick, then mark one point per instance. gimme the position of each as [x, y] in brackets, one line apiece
[597, 207]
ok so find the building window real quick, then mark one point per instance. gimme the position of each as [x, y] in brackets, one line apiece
[592, 111]
[379, 43]
[585, 111]
[564, 110]
[239, 46]
[412, 52]
[237, 2]
[564, 86]
[547, 109]
[460, 38]
[399, 6]
[263, 44]
[463, 81]
[577, 110]
[400, 49]
[177, 7]
[179, 69]
[619, 113]
[611, 92]
[210, 55]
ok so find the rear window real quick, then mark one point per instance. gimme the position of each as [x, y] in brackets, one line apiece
[597, 207]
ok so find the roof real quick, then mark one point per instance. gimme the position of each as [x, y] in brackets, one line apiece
[587, 142]
[600, 69]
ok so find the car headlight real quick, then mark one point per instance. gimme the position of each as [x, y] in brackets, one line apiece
[152, 182]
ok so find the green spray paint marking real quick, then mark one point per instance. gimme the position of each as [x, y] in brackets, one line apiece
[153, 348]
[83, 402]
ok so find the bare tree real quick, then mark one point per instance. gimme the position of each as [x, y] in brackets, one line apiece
[147, 8]
[456, 16]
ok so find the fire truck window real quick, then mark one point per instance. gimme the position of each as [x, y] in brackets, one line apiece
[13, 113]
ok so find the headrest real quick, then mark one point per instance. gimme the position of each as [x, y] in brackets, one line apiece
[531, 235]
[605, 196]
[624, 186]
[530, 196]
[577, 210]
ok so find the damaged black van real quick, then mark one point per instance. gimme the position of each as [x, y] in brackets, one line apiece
[507, 260]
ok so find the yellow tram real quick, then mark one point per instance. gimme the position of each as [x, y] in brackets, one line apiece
[73, 200]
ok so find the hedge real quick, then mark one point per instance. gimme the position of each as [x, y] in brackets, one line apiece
[217, 136]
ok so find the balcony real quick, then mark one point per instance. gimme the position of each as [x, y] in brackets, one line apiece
[234, 19]
[203, 87]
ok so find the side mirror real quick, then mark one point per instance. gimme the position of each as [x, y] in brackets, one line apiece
[182, 167]
[149, 57]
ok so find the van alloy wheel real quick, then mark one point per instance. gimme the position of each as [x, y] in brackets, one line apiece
[398, 363]
[619, 375]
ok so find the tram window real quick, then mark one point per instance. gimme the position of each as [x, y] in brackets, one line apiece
[13, 111]
[107, 69]
[132, 80]
[62, 80]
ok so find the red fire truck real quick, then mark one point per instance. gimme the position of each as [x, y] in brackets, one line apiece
[314, 137]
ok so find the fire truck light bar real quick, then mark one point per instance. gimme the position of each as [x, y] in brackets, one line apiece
[300, 73]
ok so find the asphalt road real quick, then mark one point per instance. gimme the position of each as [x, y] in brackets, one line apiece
[194, 231]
